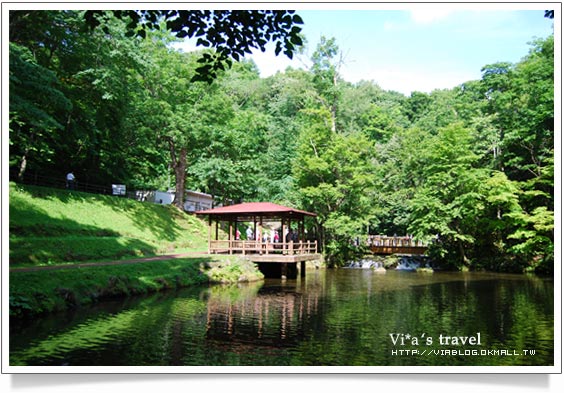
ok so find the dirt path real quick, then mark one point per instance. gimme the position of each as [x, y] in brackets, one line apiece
[106, 263]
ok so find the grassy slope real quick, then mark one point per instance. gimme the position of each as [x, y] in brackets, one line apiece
[49, 226]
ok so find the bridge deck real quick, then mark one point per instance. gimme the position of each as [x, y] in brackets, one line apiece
[388, 245]
[389, 250]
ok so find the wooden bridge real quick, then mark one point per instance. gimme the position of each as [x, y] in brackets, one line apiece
[387, 245]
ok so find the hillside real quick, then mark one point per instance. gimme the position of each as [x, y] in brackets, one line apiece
[50, 226]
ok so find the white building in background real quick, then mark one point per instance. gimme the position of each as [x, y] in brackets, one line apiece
[193, 200]
[164, 197]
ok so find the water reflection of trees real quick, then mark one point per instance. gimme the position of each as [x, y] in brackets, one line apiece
[273, 316]
[338, 318]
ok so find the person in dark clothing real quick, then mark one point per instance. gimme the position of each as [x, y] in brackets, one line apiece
[289, 236]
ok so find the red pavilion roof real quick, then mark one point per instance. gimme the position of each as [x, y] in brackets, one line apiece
[255, 209]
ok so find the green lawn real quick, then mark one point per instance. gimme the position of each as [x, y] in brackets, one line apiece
[50, 226]
[53, 227]
[43, 291]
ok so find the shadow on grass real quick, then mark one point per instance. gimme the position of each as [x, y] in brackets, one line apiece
[38, 238]
[144, 215]
[41, 291]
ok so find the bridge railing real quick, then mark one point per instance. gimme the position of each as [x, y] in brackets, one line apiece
[394, 241]
[256, 247]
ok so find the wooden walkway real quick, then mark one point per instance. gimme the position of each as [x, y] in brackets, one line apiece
[388, 245]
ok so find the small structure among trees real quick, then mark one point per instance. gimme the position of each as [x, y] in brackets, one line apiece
[272, 235]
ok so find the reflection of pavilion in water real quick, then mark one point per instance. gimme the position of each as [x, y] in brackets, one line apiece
[274, 317]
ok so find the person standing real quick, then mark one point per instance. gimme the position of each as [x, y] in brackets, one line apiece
[70, 180]
[289, 236]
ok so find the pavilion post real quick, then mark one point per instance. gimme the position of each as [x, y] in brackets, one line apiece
[291, 242]
[230, 236]
[259, 237]
[209, 233]
[245, 242]
[255, 237]
[284, 271]
[301, 236]
[283, 237]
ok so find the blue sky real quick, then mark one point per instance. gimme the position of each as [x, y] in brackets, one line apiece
[421, 49]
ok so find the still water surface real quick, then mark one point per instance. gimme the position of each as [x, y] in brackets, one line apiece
[330, 318]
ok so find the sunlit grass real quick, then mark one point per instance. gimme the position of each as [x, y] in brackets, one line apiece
[49, 226]
[35, 292]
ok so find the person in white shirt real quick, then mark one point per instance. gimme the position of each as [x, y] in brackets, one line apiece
[70, 181]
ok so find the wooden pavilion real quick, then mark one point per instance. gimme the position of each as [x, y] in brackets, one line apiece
[286, 250]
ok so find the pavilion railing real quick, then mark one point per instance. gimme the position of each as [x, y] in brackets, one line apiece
[256, 247]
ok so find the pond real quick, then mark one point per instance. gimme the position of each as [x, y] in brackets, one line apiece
[344, 317]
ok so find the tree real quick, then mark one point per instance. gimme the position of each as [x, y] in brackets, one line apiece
[334, 178]
[398, 175]
[285, 97]
[366, 107]
[96, 73]
[326, 77]
[37, 107]
[231, 33]
[181, 113]
[521, 103]
[451, 195]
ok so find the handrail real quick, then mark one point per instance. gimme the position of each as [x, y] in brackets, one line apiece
[394, 241]
[253, 247]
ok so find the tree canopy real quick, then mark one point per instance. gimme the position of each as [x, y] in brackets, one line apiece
[232, 33]
[468, 169]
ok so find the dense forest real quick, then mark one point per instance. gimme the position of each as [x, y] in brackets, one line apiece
[468, 169]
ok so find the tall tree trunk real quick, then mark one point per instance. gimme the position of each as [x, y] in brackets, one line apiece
[179, 165]
[464, 258]
[334, 105]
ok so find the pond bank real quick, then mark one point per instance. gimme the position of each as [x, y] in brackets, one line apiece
[46, 290]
